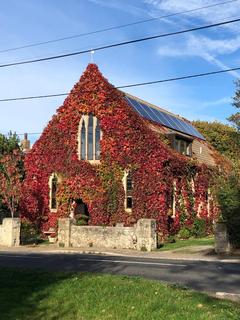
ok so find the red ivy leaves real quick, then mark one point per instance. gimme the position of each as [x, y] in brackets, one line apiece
[128, 143]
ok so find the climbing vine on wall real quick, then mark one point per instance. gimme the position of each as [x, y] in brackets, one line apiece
[128, 143]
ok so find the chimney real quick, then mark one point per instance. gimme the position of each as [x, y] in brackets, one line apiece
[25, 143]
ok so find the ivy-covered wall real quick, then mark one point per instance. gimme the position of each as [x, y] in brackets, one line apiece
[127, 143]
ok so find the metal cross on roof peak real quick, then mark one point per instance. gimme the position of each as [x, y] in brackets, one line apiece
[91, 56]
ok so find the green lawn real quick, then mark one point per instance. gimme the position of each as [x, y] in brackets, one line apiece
[28, 295]
[186, 243]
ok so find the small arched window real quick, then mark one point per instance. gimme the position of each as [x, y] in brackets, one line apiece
[53, 184]
[128, 188]
[172, 199]
[89, 138]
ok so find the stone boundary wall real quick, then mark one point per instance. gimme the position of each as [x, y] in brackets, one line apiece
[10, 232]
[142, 236]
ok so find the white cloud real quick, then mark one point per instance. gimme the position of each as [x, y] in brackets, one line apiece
[200, 45]
[205, 48]
[223, 41]
[210, 14]
[121, 6]
[219, 102]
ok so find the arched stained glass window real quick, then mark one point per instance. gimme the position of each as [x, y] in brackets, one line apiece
[83, 141]
[89, 138]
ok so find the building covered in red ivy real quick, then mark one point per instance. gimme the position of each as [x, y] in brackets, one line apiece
[107, 157]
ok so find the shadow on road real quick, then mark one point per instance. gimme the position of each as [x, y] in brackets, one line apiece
[25, 290]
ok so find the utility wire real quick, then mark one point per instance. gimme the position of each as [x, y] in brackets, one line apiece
[115, 27]
[34, 97]
[196, 75]
[118, 44]
[20, 134]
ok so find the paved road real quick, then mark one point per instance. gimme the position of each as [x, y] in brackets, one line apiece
[203, 276]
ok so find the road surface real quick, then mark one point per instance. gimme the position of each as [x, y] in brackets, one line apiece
[199, 275]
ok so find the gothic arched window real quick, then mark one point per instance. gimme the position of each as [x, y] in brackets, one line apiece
[53, 184]
[89, 136]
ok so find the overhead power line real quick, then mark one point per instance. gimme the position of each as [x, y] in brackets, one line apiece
[196, 75]
[34, 97]
[20, 134]
[118, 44]
[115, 27]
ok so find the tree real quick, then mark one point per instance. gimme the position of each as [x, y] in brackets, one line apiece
[235, 118]
[11, 173]
[224, 138]
[228, 195]
[9, 143]
[11, 176]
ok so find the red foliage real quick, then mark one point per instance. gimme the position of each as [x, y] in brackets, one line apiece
[128, 143]
[10, 180]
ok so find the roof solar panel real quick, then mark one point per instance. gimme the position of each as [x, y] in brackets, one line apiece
[191, 129]
[183, 126]
[147, 112]
[164, 118]
[160, 117]
[137, 107]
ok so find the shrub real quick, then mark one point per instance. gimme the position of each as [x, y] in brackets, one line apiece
[4, 212]
[228, 195]
[199, 228]
[233, 226]
[81, 219]
[184, 233]
[29, 233]
[171, 239]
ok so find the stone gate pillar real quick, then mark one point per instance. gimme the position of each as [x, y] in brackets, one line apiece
[222, 245]
[146, 234]
[10, 232]
[64, 229]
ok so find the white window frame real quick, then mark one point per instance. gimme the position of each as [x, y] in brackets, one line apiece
[85, 119]
[124, 180]
[174, 200]
[53, 175]
[187, 146]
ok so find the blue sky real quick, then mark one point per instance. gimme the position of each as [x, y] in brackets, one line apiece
[28, 21]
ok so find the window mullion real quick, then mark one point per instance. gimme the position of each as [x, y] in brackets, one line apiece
[94, 137]
[80, 139]
[86, 138]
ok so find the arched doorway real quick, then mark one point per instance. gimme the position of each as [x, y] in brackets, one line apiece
[80, 212]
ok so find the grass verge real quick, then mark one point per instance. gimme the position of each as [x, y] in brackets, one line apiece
[187, 243]
[34, 295]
